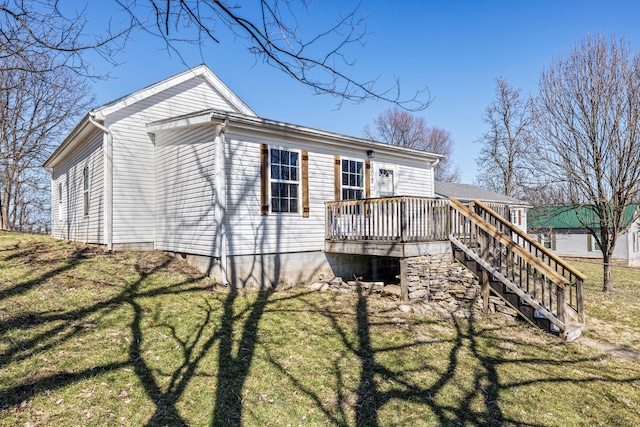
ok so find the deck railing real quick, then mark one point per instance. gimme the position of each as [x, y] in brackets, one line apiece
[498, 251]
[394, 219]
[574, 277]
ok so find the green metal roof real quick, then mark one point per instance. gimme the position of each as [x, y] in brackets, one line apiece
[554, 217]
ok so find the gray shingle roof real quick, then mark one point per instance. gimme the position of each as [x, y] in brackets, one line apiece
[467, 192]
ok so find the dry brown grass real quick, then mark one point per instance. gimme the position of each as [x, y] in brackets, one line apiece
[142, 339]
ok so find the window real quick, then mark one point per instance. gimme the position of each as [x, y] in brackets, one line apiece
[548, 241]
[60, 201]
[385, 183]
[636, 244]
[285, 180]
[352, 179]
[516, 216]
[592, 244]
[85, 187]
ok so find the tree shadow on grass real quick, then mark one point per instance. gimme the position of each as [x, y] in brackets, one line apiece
[28, 255]
[163, 385]
[68, 325]
[380, 384]
[479, 401]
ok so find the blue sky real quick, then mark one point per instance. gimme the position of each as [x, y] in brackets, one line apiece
[455, 48]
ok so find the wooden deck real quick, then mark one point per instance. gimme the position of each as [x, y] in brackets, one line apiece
[527, 276]
[390, 226]
[400, 226]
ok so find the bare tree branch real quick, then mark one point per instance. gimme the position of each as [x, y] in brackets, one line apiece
[37, 106]
[274, 36]
[504, 164]
[398, 127]
[30, 29]
[588, 117]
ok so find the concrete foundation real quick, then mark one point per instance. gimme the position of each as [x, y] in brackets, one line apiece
[290, 269]
[138, 246]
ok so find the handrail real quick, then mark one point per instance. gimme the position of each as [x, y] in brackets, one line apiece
[520, 251]
[526, 237]
[402, 219]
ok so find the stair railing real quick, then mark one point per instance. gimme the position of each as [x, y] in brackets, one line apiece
[503, 257]
[575, 277]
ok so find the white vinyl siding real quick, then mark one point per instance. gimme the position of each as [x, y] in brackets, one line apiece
[580, 244]
[414, 179]
[250, 233]
[184, 191]
[133, 154]
[70, 221]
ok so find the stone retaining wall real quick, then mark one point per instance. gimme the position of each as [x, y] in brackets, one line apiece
[440, 279]
[434, 283]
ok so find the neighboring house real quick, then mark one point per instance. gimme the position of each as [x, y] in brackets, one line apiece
[185, 166]
[559, 228]
[466, 193]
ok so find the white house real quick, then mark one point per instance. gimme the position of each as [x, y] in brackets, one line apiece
[560, 229]
[185, 166]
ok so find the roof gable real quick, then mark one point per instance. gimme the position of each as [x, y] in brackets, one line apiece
[201, 71]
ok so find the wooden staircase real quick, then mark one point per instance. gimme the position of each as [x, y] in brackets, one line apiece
[541, 287]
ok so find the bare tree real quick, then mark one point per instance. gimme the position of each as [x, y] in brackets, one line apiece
[36, 108]
[273, 33]
[588, 115]
[504, 163]
[399, 127]
[270, 28]
[35, 28]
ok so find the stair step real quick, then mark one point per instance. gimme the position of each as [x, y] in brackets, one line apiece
[539, 315]
[573, 331]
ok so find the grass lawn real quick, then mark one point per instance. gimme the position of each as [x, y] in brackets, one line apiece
[136, 339]
[613, 317]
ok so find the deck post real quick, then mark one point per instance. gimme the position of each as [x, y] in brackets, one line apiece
[562, 314]
[483, 241]
[403, 219]
[580, 299]
[484, 290]
[404, 285]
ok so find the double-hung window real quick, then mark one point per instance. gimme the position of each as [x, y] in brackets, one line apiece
[352, 179]
[85, 188]
[285, 180]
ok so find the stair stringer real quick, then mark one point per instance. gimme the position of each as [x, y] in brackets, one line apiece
[509, 284]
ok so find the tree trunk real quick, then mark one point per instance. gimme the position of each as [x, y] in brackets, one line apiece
[607, 285]
[6, 199]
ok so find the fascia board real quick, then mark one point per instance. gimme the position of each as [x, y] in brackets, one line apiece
[71, 142]
[276, 129]
[200, 71]
[178, 122]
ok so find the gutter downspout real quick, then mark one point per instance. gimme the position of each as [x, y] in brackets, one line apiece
[433, 176]
[107, 152]
[220, 207]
